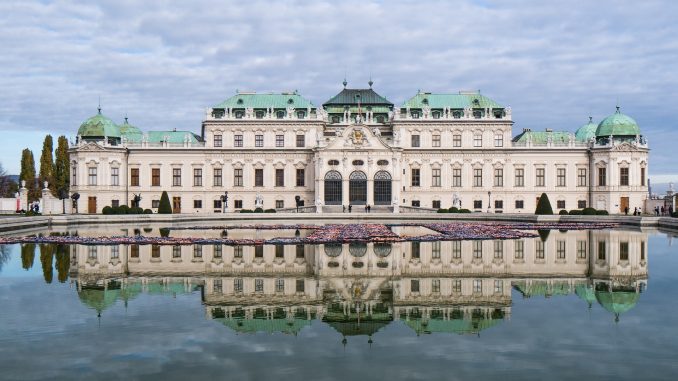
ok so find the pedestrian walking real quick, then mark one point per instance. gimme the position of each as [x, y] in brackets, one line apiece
[350, 207]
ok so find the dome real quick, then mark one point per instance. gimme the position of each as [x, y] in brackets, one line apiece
[618, 124]
[617, 302]
[128, 129]
[99, 126]
[587, 131]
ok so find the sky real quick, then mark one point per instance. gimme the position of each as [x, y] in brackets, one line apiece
[162, 62]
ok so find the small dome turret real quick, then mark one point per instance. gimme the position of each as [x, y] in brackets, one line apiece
[618, 125]
[99, 126]
[128, 129]
[587, 131]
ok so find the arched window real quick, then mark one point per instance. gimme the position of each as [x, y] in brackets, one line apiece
[382, 188]
[280, 114]
[357, 188]
[358, 162]
[357, 249]
[301, 114]
[382, 249]
[333, 162]
[333, 250]
[436, 114]
[333, 188]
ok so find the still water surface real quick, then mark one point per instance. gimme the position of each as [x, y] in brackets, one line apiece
[573, 305]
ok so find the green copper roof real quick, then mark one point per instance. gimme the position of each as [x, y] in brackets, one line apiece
[587, 131]
[454, 101]
[541, 137]
[617, 302]
[458, 326]
[98, 298]
[283, 100]
[618, 124]
[175, 137]
[128, 129]
[365, 97]
[287, 326]
[99, 126]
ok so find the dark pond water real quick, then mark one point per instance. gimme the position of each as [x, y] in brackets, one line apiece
[569, 305]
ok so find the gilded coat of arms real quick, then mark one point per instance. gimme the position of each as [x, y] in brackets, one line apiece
[358, 137]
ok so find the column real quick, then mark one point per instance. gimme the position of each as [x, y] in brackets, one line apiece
[344, 191]
[370, 191]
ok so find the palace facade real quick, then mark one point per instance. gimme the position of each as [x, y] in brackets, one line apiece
[274, 151]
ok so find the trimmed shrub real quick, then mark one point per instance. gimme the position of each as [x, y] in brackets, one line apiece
[164, 232]
[246, 211]
[453, 209]
[544, 205]
[270, 211]
[588, 211]
[107, 210]
[442, 210]
[575, 212]
[31, 213]
[544, 234]
[464, 211]
[148, 211]
[123, 209]
[165, 207]
[563, 212]
[602, 212]
[258, 210]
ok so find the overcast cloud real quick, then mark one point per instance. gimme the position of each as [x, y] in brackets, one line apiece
[162, 63]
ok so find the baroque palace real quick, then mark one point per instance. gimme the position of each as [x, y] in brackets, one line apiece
[434, 151]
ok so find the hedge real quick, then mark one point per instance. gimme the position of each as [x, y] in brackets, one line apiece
[563, 212]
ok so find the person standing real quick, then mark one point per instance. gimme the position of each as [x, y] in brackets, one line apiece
[350, 207]
[626, 211]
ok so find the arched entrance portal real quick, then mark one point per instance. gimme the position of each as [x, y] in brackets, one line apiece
[333, 188]
[357, 188]
[382, 188]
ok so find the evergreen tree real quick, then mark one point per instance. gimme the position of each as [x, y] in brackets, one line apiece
[165, 207]
[63, 263]
[544, 205]
[46, 258]
[47, 163]
[27, 255]
[28, 174]
[61, 168]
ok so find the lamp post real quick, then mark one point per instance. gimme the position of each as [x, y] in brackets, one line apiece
[224, 201]
[75, 197]
[489, 201]
[297, 199]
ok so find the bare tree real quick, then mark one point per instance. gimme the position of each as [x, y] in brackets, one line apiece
[7, 186]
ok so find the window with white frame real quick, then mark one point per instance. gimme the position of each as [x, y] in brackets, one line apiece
[456, 140]
[540, 177]
[115, 176]
[520, 177]
[218, 142]
[581, 177]
[560, 177]
[237, 140]
[435, 181]
[197, 177]
[280, 141]
[498, 177]
[218, 180]
[477, 140]
[456, 177]
[477, 177]
[258, 140]
[92, 176]
[435, 141]
[498, 139]
[176, 177]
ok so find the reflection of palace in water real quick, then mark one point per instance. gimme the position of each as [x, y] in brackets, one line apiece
[358, 288]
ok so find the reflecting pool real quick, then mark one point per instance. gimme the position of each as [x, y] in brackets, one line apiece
[599, 304]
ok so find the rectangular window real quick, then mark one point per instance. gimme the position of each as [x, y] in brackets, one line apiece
[279, 204]
[237, 251]
[133, 251]
[280, 141]
[416, 181]
[301, 141]
[456, 140]
[258, 251]
[581, 177]
[217, 182]
[498, 140]
[176, 177]
[539, 251]
[541, 177]
[623, 251]
[498, 286]
[237, 140]
[280, 177]
[456, 285]
[217, 286]
[436, 141]
[134, 177]
[197, 177]
[478, 177]
[623, 176]
[415, 141]
[456, 177]
[436, 177]
[218, 250]
[560, 249]
[237, 177]
[197, 204]
[601, 250]
[217, 204]
[300, 251]
[218, 142]
[414, 285]
[560, 177]
[91, 176]
[435, 250]
[519, 249]
[237, 285]
[477, 204]
[416, 203]
[258, 177]
[581, 204]
[456, 249]
[155, 177]
[300, 285]
[478, 249]
[642, 250]
[435, 285]
[259, 285]
[477, 286]
[301, 177]
[92, 252]
[280, 285]
[602, 177]
[115, 177]
[520, 204]
[155, 204]
[258, 140]
[115, 252]
[415, 247]
[499, 204]
[279, 251]
[520, 177]
[74, 176]
[477, 140]
[498, 177]
[237, 204]
[498, 249]
[197, 251]
[581, 249]
[560, 204]
[642, 177]
[155, 251]
[435, 204]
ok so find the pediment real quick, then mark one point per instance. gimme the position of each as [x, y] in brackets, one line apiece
[358, 137]
[624, 147]
[91, 147]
